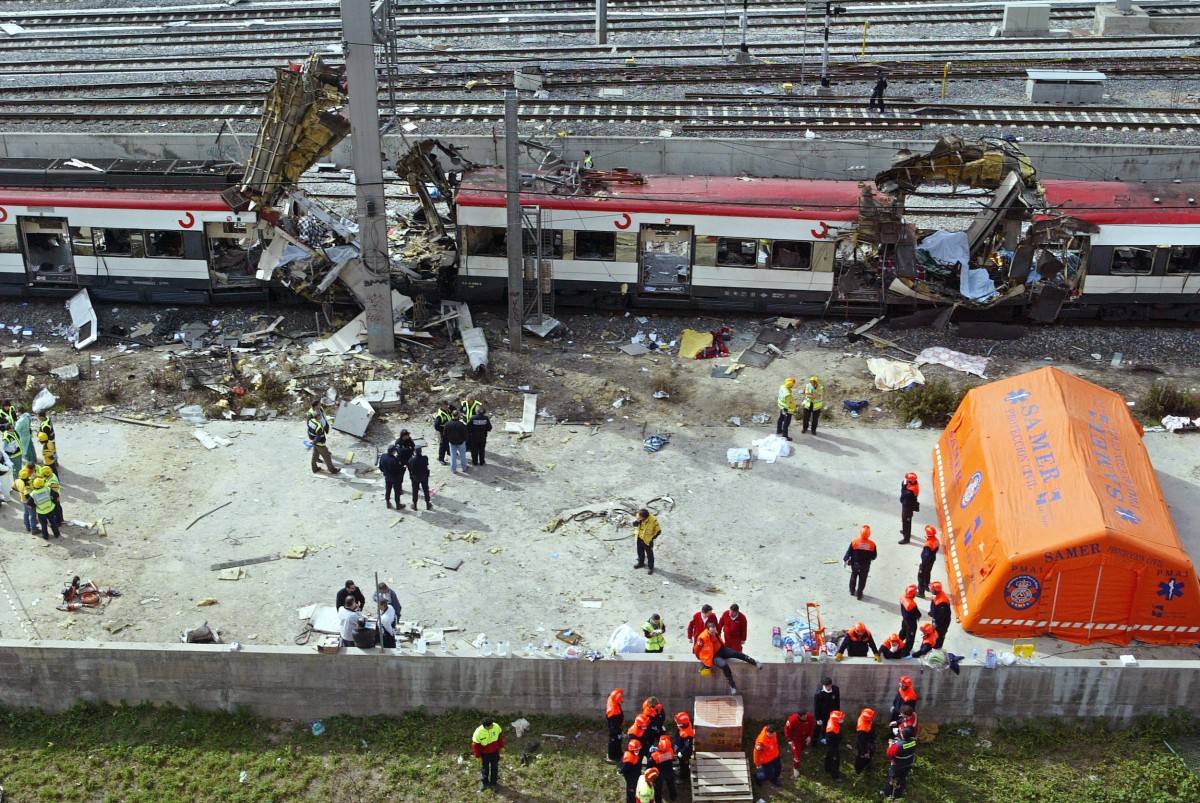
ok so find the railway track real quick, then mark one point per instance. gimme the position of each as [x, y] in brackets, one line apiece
[742, 115]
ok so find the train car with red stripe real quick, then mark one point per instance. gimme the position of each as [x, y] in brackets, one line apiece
[764, 244]
[156, 231]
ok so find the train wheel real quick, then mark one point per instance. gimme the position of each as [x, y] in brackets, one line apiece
[1117, 312]
[1191, 314]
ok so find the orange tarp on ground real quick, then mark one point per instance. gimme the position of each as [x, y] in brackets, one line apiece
[1053, 519]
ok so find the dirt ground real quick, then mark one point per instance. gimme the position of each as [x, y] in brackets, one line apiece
[770, 538]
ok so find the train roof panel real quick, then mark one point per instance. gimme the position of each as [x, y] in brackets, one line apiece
[1116, 202]
[117, 173]
[114, 199]
[726, 196]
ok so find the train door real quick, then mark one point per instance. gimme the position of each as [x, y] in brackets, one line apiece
[665, 259]
[47, 245]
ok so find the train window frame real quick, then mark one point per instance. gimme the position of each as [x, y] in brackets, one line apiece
[10, 239]
[552, 243]
[497, 240]
[137, 243]
[83, 243]
[1194, 259]
[742, 243]
[607, 254]
[153, 252]
[1120, 265]
[805, 250]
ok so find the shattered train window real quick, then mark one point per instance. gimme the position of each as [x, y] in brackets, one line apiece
[1132, 261]
[791, 255]
[596, 245]
[164, 244]
[736, 253]
[1184, 259]
[552, 243]
[119, 243]
[485, 241]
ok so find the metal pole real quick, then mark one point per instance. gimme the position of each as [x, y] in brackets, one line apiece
[602, 22]
[804, 45]
[512, 172]
[745, 24]
[367, 160]
[825, 48]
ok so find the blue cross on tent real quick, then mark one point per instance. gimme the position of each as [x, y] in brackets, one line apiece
[1170, 589]
[1128, 515]
[1017, 396]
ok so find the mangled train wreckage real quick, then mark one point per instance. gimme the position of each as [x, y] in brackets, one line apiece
[200, 232]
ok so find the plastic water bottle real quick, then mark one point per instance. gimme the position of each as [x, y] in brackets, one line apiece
[975, 655]
[776, 637]
[788, 655]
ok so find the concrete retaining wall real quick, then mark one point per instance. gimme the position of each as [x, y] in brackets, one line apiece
[299, 683]
[796, 158]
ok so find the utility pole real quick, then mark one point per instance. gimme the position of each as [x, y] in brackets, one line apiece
[743, 56]
[367, 161]
[602, 22]
[512, 197]
[830, 11]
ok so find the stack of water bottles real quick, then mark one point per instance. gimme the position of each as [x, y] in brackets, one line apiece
[798, 642]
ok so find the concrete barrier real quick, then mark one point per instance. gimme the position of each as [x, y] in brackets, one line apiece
[841, 159]
[299, 683]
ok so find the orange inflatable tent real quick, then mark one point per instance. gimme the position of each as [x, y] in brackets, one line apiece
[1053, 521]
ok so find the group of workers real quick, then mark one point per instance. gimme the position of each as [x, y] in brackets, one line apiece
[35, 480]
[717, 641]
[648, 756]
[811, 406]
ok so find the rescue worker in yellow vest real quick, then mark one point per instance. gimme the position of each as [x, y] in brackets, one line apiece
[318, 433]
[588, 162]
[470, 407]
[645, 786]
[47, 473]
[42, 501]
[663, 757]
[8, 413]
[647, 531]
[12, 447]
[23, 484]
[49, 448]
[486, 744]
[814, 401]
[787, 408]
[441, 418]
[654, 630]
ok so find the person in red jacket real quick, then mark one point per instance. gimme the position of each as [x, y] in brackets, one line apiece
[699, 622]
[616, 724]
[487, 743]
[798, 730]
[766, 756]
[733, 628]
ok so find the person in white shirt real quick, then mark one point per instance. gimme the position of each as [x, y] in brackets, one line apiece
[351, 619]
[387, 625]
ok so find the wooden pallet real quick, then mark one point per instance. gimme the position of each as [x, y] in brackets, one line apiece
[721, 778]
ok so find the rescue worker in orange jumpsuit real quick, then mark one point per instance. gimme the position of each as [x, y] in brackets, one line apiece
[712, 652]
[653, 709]
[929, 639]
[928, 557]
[616, 724]
[798, 730]
[910, 489]
[865, 745]
[833, 745]
[892, 647]
[767, 763]
[905, 695]
[685, 737]
[939, 612]
[639, 731]
[910, 614]
[663, 757]
[856, 643]
[858, 557]
[631, 768]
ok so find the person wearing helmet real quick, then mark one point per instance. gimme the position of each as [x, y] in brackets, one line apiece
[631, 768]
[787, 407]
[928, 557]
[892, 647]
[906, 695]
[49, 453]
[939, 612]
[833, 745]
[856, 643]
[814, 401]
[910, 615]
[47, 473]
[684, 742]
[41, 499]
[910, 489]
[929, 639]
[662, 757]
[902, 752]
[23, 485]
[858, 557]
[12, 447]
[645, 786]
[864, 746]
[614, 714]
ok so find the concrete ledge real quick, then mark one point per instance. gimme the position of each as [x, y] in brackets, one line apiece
[299, 683]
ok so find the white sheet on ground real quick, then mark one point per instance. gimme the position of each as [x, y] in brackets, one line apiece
[894, 374]
[967, 363]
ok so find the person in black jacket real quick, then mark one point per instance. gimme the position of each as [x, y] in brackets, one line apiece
[455, 433]
[440, 419]
[909, 491]
[349, 591]
[404, 448]
[478, 427]
[418, 472]
[393, 476]
[827, 699]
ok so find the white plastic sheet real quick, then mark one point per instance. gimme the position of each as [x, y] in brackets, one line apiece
[626, 639]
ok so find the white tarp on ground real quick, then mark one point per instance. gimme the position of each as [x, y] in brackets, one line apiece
[772, 448]
[967, 363]
[953, 248]
[894, 374]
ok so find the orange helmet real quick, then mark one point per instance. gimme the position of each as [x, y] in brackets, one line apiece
[837, 716]
[931, 531]
[868, 714]
[910, 477]
[911, 591]
[936, 586]
[642, 721]
[894, 637]
[790, 382]
[906, 681]
[683, 719]
[864, 531]
[927, 628]
[652, 774]
[858, 627]
[634, 746]
[618, 695]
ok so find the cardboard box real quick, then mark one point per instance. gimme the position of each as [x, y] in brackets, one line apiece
[718, 724]
[330, 645]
